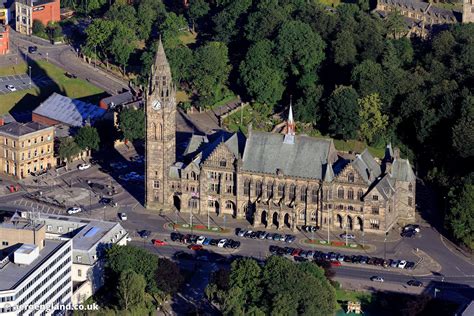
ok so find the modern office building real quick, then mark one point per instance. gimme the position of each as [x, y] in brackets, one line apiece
[26, 148]
[35, 272]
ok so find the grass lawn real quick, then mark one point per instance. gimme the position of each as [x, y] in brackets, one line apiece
[343, 296]
[188, 38]
[182, 96]
[31, 98]
[329, 3]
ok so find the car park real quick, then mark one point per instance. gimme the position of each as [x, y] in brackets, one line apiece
[84, 166]
[157, 242]
[10, 88]
[376, 279]
[74, 210]
[415, 283]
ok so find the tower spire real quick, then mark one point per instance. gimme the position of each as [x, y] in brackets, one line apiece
[161, 67]
[290, 126]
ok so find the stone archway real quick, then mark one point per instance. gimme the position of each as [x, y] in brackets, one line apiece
[264, 218]
[360, 224]
[349, 223]
[339, 221]
[249, 212]
[287, 220]
[177, 202]
[275, 220]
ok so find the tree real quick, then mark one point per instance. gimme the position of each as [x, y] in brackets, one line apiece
[38, 27]
[461, 214]
[266, 20]
[368, 78]
[124, 258]
[299, 47]
[463, 131]
[123, 44]
[99, 34]
[227, 22]
[395, 25]
[168, 276]
[132, 124]
[197, 9]
[343, 112]
[260, 75]
[148, 12]
[245, 275]
[172, 26]
[345, 51]
[372, 121]
[68, 149]
[181, 60]
[87, 138]
[131, 289]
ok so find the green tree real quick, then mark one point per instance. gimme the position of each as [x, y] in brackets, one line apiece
[372, 121]
[260, 75]
[395, 25]
[132, 124]
[461, 214]
[228, 22]
[463, 130]
[197, 9]
[264, 22]
[211, 68]
[148, 13]
[38, 27]
[123, 44]
[124, 258]
[168, 276]
[299, 47]
[345, 50]
[368, 77]
[172, 26]
[68, 149]
[123, 14]
[131, 289]
[99, 34]
[181, 60]
[87, 138]
[343, 112]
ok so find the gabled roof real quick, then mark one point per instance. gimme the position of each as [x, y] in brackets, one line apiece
[367, 167]
[386, 186]
[195, 143]
[402, 170]
[235, 142]
[267, 152]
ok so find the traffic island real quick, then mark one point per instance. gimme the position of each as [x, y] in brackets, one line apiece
[336, 244]
[198, 227]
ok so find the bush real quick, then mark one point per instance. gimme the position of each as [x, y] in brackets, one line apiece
[38, 27]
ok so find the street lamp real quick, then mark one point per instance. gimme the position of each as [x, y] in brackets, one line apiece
[77, 51]
[29, 68]
[46, 56]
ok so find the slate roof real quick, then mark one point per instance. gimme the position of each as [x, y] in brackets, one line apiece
[68, 111]
[235, 142]
[266, 152]
[118, 99]
[195, 143]
[386, 186]
[367, 167]
[425, 8]
[329, 173]
[402, 170]
[16, 129]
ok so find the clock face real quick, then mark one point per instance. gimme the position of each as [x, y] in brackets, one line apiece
[156, 105]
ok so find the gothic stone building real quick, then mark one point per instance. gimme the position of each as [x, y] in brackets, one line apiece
[270, 179]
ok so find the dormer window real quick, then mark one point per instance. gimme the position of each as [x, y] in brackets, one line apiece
[350, 177]
[223, 163]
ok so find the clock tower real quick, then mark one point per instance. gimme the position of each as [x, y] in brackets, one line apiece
[160, 112]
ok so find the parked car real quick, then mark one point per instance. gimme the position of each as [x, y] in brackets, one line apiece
[235, 244]
[10, 88]
[410, 265]
[84, 166]
[74, 210]
[376, 279]
[412, 227]
[290, 238]
[176, 236]
[196, 247]
[270, 236]
[415, 283]
[241, 232]
[200, 240]
[336, 263]
[402, 264]
[145, 233]
[206, 241]
[157, 242]
[408, 234]
[348, 236]
[214, 242]
[221, 243]
[276, 237]
[394, 263]
[32, 49]
[123, 216]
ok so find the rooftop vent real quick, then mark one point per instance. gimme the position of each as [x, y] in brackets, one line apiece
[26, 254]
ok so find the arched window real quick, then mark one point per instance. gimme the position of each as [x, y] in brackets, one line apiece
[350, 208]
[247, 187]
[340, 207]
[258, 188]
[340, 193]
[193, 175]
[223, 163]
[229, 205]
[281, 190]
[350, 177]
[410, 187]
[193, 203]
[350, 194]
[360, 194]
[303, 194]
[314, 195]
[292, 192]
[269, 190]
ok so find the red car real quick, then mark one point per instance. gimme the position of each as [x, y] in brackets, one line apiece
[195, 247]
[158, 242]
[296, 252]
[336, 263]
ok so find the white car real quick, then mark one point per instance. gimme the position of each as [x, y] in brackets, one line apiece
[11, 88]
[221, 243]
[74, 210]
[376, 279]
[348, 236]
[83, 166]
[200, 240]
[128, 239]
[402, 264]
[123, 216]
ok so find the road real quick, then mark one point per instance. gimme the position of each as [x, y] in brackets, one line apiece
[63, 56]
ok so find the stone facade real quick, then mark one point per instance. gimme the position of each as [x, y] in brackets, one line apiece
[272, 180]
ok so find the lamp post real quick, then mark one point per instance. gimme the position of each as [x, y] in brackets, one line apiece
[46, 56]
[29, 69]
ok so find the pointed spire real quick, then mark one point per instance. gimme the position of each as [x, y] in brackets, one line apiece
[329, 174]
[161, 68]
[290, 127]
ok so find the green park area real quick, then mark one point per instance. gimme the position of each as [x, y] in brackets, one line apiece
[30, 98]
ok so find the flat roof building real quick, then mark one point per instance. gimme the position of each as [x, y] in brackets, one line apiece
[28, 11]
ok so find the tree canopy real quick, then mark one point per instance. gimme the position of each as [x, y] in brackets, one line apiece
[132, 124]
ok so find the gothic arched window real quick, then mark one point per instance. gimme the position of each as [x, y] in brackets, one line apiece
[340, 193]
[350, 177]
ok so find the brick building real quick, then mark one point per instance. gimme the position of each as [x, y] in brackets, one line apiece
[26, 148]
[4, 31]
[29, 10]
